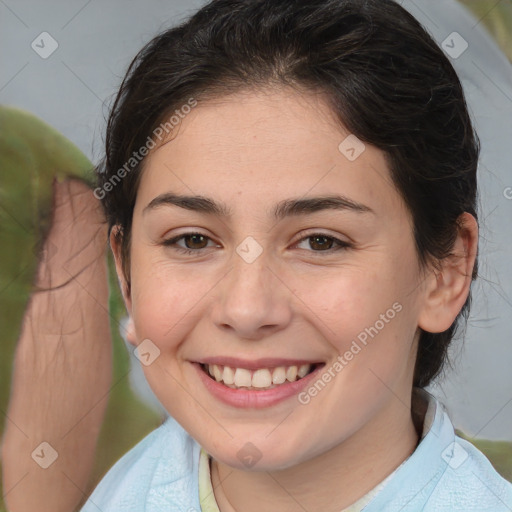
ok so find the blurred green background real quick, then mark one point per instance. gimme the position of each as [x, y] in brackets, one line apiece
[497, 17]
[31, 154]
[127, 419]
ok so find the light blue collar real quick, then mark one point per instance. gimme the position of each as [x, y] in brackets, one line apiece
[445, 473]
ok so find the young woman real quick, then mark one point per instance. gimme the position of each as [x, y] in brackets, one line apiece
[290, 190]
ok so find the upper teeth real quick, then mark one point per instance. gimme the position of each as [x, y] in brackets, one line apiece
[261, 378]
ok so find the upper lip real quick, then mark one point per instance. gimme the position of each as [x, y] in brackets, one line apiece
[254, 364]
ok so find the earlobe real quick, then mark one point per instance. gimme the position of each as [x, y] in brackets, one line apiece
[130, 334]
[115, 244]
[447, 288]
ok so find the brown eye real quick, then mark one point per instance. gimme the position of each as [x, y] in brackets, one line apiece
[320, 242]
[195, 241]
[188, 243]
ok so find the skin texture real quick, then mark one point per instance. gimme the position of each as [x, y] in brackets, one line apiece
[62, 368]
[250, 151]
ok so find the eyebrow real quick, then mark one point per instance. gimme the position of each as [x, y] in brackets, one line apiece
[286, 208]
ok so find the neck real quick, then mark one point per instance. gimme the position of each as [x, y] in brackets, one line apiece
[330, 482]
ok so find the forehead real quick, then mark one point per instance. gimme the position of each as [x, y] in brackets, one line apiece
[258, 147]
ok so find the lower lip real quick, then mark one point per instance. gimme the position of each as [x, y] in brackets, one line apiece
[246, 398]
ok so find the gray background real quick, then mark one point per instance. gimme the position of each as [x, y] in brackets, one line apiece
[97, 39]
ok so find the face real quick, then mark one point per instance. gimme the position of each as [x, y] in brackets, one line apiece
[298, 257]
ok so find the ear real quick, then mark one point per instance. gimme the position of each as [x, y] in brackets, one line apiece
[115, 244]
[447, 288]
[130, 335]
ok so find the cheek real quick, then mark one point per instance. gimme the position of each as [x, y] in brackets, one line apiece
[364, 314]
[343, 301]
[165, 299]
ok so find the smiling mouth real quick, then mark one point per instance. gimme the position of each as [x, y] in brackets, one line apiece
[259, 379]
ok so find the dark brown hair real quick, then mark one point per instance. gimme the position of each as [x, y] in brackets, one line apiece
[384, 77]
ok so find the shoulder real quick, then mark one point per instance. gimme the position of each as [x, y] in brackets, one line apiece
[160, 471]
[444, 474]
[470, 483]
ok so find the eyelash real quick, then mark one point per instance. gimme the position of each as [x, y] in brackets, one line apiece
[341, 245]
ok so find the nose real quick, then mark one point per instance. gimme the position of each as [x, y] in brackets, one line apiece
[254, 302]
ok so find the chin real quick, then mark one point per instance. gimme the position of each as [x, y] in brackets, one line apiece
[259, 456]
